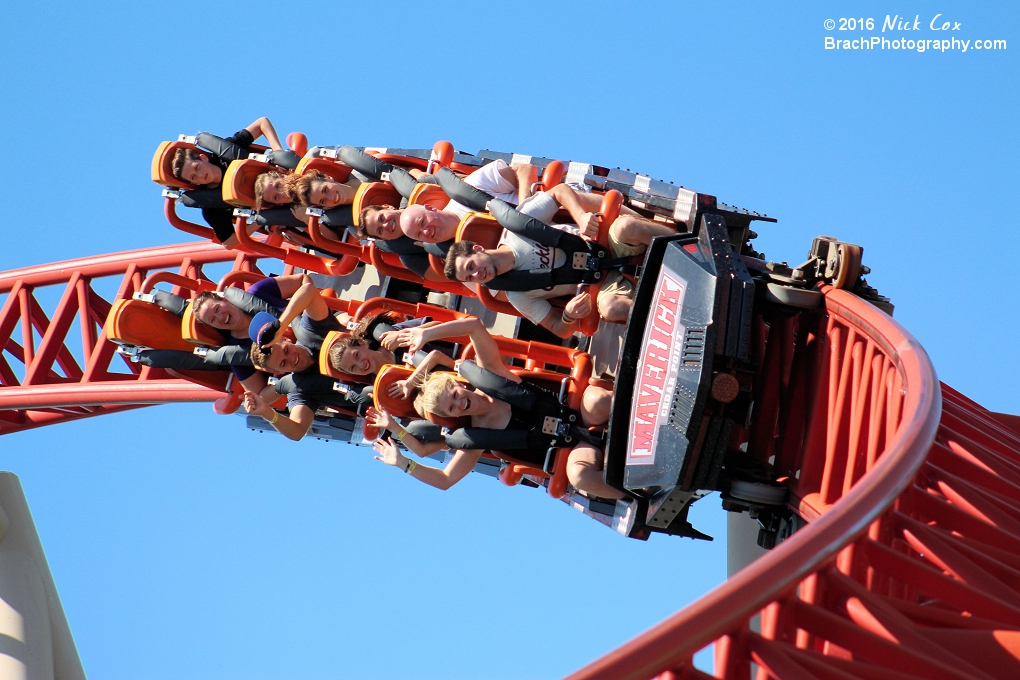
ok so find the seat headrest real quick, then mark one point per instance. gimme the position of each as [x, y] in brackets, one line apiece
[198, 333]
[481, 228]
[239, 181]
[329, 168]
[429, 194]
[325, 368]
[395, 406]
[162, 165]
[144, 324]
[373, 193]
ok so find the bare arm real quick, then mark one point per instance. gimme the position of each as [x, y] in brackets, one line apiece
[486, 350]
[306, 299]
[384, 421]
[262, 127]
[256, 382]
[232, 241]
[293, 427]
[434, 358]
[454, 471]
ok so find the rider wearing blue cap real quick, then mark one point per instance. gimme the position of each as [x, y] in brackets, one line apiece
[310, 319]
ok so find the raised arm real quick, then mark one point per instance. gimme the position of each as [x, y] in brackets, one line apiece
[293, 427]
[455, 470]
[384, 421]
[486, 350]
[306, 299]
[262, 127]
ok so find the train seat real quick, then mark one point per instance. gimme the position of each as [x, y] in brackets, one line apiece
[162, 165]
[239, 181]
[374, 193]
[197, 333]
[145, 324]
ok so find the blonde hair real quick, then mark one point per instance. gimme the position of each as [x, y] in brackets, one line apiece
[260, 186]
[432, 390]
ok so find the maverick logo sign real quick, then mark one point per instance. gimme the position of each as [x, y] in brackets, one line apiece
[657, 369]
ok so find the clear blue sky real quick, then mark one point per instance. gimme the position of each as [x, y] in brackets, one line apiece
[184, 545]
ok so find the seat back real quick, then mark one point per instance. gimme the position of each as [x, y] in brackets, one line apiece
[481, 228]
[145, 324]
[198, 333]
[373, 193]
[429, 194]
[330, 168]
[384, 380]
[239, 181]
[162, 165]
[325, 368]
[410, 309]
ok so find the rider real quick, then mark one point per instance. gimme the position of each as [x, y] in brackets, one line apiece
[516, 426]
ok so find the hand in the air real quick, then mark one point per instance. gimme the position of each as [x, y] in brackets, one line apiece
[380, 419]
[390, 340]
[388, 452]
[256, 405]
[401, 389]
[413, 339]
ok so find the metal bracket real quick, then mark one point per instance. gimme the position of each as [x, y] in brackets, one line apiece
[327, 152]
[313, 212]
[187, 139]
[172, 193]
[341, 387]
[260, 157]
[144, 297]
[551, 426]
[581, 261]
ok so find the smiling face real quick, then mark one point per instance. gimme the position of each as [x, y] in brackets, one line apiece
[478, 267]
[357, 360]
[223, 315]
[326, 194]
[456, 401]
[426, 224]
[286, 357]
[383, 223]
[201, 172]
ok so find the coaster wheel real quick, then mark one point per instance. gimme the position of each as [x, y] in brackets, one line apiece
[848, 269]
[757, 492]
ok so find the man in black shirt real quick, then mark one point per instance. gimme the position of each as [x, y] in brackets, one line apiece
[312, 320]
[205, 170]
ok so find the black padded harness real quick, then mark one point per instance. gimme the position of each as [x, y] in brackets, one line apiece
[553, 424]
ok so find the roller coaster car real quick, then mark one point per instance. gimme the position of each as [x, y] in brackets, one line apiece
[684, 379]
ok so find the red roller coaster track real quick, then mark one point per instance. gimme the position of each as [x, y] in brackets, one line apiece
[909, 566]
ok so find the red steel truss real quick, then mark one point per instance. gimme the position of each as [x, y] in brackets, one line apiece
[909, 566]
[51, 381]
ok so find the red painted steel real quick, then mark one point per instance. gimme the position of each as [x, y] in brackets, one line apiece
[910, 563]
[57, 378]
